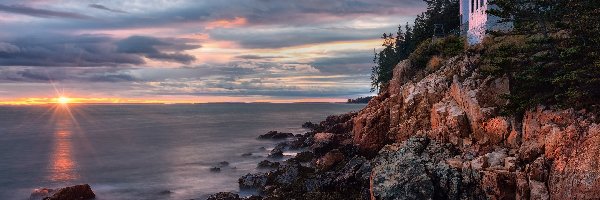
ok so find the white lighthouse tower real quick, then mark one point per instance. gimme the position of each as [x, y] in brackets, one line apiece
[475, 21]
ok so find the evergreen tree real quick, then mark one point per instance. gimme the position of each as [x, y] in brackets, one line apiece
[557, 53]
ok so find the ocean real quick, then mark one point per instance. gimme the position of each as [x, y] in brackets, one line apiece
[143, 151]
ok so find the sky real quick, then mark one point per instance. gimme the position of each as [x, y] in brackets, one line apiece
[193, 50]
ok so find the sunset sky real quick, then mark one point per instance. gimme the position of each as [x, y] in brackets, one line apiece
[193, 51]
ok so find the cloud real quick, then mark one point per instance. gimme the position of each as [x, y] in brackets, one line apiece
[65, 74]
[43, 13]
[92, 51]
[101, 7]
[8, 48]
[152, 48]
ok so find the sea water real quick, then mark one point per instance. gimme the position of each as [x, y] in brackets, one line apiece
[143, 151]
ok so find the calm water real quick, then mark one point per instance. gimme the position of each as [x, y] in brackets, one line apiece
[140, 151]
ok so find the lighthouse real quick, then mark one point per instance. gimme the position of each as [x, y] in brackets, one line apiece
[476, 22]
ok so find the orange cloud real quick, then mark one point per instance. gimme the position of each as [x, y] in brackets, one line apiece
[224, 23]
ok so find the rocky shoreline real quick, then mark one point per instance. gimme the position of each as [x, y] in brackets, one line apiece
[435, 134]
[438, 134]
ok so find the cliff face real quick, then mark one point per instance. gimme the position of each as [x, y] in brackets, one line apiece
[446, 140]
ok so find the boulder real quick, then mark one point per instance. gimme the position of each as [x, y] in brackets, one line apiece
[276, 135]
[77, 192]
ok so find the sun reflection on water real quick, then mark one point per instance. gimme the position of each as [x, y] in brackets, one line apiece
[62, 165]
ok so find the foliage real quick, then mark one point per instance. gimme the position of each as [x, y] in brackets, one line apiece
[440, 48]
[399, 47]
[360, 100]
[551, 56]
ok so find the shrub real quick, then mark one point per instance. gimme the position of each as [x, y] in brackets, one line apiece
[442, 49]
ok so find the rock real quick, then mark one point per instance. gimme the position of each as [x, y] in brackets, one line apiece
[268, 164]
[224, 196]
[480, 163]
[538, 170]
[215, 169]
[77, 192]
[253, 181]
[246, 154]
[305, 156]
[223, 163]
[522, 186]
[510, 163]
[499, 184]
[496, 158]
[165, 192]
[41, 193]
[275, 135]
[570, 142]
[276, 153]
[416, 169]
[310, 125]
[253, 197]
[323, 137]
[449, 122]
[538, 190]
[329, 159]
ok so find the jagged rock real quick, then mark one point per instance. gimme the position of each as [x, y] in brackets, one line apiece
[77, 192]
[276, 135]
[255, 181]
[224, 196]
[416, 169]
[268, 164]
[329, 159]
[449, 122]
[570, 141]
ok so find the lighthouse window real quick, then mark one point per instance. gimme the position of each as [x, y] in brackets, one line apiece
[472, 6]
[481, 3]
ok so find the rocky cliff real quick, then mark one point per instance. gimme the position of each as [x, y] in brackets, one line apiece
[439, 135]
[436, 133]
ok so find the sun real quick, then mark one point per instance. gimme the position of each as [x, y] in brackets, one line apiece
[63, 100]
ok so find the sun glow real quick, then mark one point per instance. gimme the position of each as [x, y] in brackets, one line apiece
[63, 100]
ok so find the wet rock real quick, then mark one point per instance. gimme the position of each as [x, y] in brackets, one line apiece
[165, 192]
[275, 135]
[268, 164]
[310, 125]
[254, 181]
[224, 163]
[224, 196]
[246, 154]
[215, 169]
[41, 193]
[276, 153]
[78, 192]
